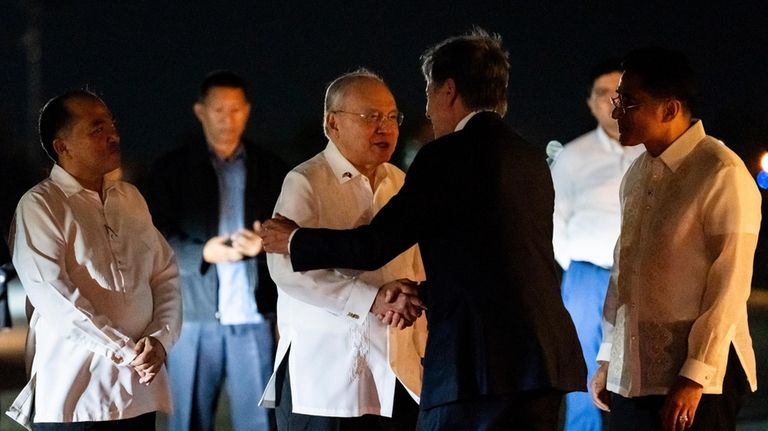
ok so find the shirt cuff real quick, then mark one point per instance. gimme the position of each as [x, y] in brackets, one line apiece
[290, 238]
[360, 301]
[125, 354]
[698, 371]
[164, 337]
[604, 354]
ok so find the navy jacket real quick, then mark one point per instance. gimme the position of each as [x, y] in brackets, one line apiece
[479, 202]
[183, 198]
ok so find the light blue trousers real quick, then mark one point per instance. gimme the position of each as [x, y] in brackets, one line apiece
[584, 288]
[207, 357]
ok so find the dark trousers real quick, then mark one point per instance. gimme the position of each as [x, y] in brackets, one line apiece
[145, 422]
[404, 412]
[716, 412]
[529, 411]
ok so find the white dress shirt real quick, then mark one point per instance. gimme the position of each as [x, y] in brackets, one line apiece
[678, 293]
[100, 276]
[338, 351]
[587, 174]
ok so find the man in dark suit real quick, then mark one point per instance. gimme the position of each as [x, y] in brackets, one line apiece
[204, 197]
[502, 349]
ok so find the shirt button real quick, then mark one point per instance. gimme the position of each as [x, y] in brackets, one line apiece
[217, 315]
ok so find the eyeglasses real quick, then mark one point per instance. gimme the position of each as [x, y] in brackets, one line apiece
[377, 117]
[618, 103]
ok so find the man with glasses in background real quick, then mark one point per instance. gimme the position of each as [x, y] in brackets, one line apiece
[586, 176]
[332, 369]
[676, 350]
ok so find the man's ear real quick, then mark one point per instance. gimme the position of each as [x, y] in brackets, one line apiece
[449, 86]
[672, 108]
[60, 147]
[331, 125]
[198, 108]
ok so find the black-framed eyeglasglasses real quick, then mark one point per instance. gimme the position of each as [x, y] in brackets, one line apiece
[618, 103]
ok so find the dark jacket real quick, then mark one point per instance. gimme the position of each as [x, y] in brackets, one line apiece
[183, 197]
[479, 202]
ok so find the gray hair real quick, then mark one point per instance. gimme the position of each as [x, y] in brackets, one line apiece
[337, 89]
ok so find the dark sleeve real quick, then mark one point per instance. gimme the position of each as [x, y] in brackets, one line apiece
[397, 226]
[164, 198]
[6, 273]
[273, 171]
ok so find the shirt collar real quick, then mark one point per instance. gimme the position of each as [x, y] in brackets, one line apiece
[342, 168]
[465, 120]
[609, 144]
[674, 155]
[238, 154]
[70, 186]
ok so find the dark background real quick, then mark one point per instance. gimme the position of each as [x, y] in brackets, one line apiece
[147, 58]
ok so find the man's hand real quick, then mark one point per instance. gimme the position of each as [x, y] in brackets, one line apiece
[150, 359]
[219, 250]
[600, 396]
[397, 303]
[275, 233]
[680, 405]
[246, 242]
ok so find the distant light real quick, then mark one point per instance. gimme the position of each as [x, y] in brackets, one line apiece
[764, 162]
[762, 179]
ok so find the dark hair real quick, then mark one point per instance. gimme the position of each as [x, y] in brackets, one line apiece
[56, 117]
[609, 65]
[478, 65]
[663, 73]
[222, 78]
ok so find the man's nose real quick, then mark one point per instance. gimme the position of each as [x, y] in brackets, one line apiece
[387, 126]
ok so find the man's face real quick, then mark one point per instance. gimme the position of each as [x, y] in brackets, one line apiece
[91, 145]
[365, 144]
[438, 102]
[641, 120]
[223, 114]
[599, 102]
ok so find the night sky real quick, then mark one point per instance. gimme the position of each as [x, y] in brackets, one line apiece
[147, 59]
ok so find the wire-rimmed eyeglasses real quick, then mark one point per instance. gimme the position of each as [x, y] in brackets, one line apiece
[618, 103]
[377, 117]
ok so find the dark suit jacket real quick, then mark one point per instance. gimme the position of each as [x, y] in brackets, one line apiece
[183, 198]
[479, 202]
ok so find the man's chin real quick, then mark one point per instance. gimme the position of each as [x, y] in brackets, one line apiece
[627, 141]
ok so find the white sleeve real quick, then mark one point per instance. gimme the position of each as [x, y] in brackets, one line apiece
[166, 296]
[39, 256]
[337, 293]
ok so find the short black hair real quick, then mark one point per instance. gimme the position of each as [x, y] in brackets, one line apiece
[222, 78]
[609, 65]
[663, 73]
[478, 65]
[56, 117]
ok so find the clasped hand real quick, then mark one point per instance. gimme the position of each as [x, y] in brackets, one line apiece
[232, 248]
[149, 359]
[397, 303]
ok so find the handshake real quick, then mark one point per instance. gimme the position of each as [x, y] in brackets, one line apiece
[397, 303]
